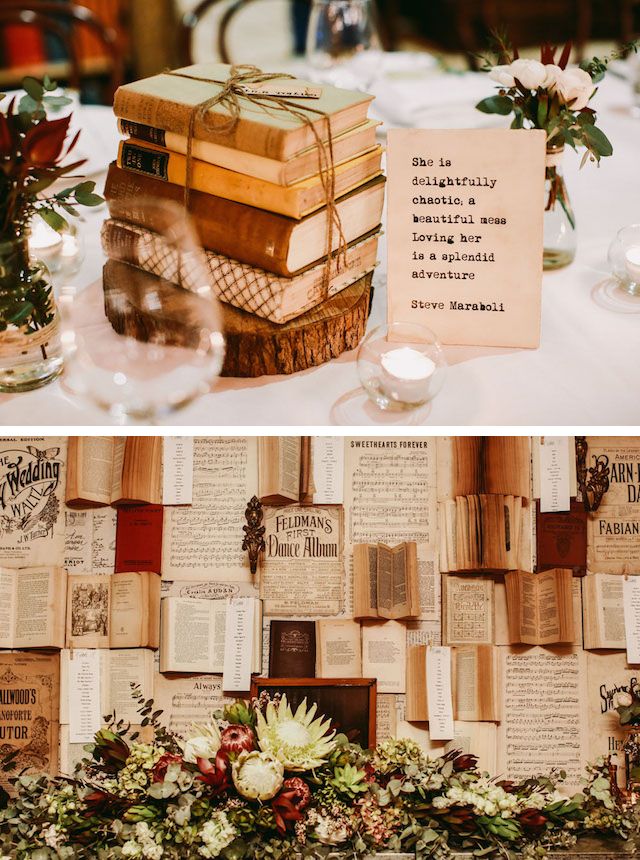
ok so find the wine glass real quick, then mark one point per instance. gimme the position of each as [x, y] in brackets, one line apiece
[147, 340]
[343, 45]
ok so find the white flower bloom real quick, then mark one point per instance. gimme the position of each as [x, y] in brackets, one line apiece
[200, 746]
[622, 699]
[552, 74]
[502, 75]
[131, 849]
[329, 832]
[216, 834]
[531, 73]
[258, 775]
[574, 88]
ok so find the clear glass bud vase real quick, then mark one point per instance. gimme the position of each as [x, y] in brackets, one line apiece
[30, 351]
[559, 220]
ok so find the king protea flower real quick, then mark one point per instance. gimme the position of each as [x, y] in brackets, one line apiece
[297, 740]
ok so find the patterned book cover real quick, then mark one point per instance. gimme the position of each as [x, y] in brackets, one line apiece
[257, 291]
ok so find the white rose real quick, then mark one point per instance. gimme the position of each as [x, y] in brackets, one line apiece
[530, 73]
[201, 746]
[574, 88]
[502, 75]
[552, 74]
[622, 700]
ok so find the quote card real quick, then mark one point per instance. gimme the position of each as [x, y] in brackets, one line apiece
[465, 227]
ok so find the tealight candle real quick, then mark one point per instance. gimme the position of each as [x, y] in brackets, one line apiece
[406, 374]
[45, 243]
[632, 263]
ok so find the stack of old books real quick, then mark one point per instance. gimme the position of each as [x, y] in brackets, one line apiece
[257, 193]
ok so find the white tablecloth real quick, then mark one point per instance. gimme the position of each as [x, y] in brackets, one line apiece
[586, 371]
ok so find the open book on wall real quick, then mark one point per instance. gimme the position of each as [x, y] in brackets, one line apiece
[32, 607]
[473, 465]
[386, 581]
[475, 683]
[193, 633]
[117, 611]
[603, 612]
[114, 470]
[540, 607]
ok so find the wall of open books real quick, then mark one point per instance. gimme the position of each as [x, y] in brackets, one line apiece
[462, 574]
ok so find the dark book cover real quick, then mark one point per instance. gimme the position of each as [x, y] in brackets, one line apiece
[139, 539]
[292, 649]
[561, 539]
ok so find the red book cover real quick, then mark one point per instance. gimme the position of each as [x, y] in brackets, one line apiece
[23, 46]
[139, 539]
[561, 539]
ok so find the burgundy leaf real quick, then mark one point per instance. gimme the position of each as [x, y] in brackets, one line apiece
[564, 56]
[42, 144]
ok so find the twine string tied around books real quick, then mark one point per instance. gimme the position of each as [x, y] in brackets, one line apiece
[232, 90]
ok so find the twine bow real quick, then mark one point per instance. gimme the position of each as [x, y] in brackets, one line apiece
[232, 90]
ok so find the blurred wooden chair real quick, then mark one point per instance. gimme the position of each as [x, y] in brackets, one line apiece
[194, 17]
[62, 20]
[629, 26]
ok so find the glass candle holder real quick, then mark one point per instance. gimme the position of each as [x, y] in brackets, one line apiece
[624, 259]
[401, 366]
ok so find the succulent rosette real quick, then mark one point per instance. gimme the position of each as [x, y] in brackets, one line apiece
[297, 740]
[257, 775]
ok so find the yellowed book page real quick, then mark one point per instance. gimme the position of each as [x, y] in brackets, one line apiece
[602, 598]
[88, 611]
[40, 607]
[529, 615]
[384, 655]
[289, 452]
[607, 674]
[117, 463]
[548, 607]
[129, 666]
[129, 611]
[501, 632]
[544, 699]
[339, 649]
[303, 568]
[203, 542]
[188, 699]
[94, 469]
[8, 586]
[468, 608]
[386, 717]
[466, 682]
[193, 631]
[614, 530]
[479, 739]
[390, 495]
[32, 499]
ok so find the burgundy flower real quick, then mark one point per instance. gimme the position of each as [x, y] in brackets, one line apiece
[532, 821]
[507, 785]
[6, 139]
[159, 770]
[215, 773]
[301, 791]
[43, 143]
[465, 761]
[236, 739]
[285, 809]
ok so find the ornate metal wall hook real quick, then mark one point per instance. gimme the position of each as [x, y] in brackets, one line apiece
[593, 481]
[253, 541]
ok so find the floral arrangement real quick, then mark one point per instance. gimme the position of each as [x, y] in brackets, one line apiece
[549, 94]
[32, 147]
[262, 781]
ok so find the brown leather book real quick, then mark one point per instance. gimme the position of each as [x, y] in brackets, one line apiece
[273, 242]
[561, 539]
[292, 649]
[139, 539]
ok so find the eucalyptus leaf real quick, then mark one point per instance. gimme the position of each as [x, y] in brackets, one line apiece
[502, 105]
[53, 219]
[33, 87]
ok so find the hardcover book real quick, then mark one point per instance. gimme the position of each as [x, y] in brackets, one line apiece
[292, 649]
[167, 101]
[139, 539]
[561, 539]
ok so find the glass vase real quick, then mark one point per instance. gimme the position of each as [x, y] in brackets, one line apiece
[30, 350]
[559, 220]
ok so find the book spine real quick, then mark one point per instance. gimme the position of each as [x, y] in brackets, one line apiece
[259, 238]
[143, 132]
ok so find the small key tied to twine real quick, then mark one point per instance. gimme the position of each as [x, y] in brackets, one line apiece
[242, 83]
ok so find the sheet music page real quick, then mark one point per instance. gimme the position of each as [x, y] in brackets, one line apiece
[32, 500]
[188, 699]
[544, 701]
[303, 568]
[204, 541]
[177, 470]
[389, 496]
[614, 529]
[327, 459]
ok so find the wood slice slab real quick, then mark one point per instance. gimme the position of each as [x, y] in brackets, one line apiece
[254, 346]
